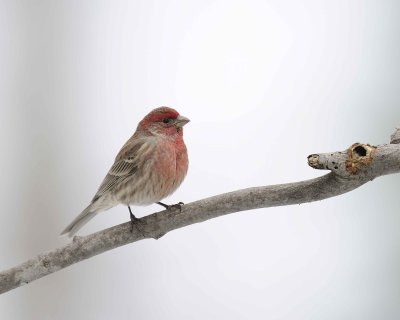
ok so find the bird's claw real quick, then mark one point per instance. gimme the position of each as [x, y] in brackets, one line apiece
[172, 206]
[177, 206]
[135, 222]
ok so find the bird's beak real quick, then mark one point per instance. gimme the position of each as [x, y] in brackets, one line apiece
[181, 121]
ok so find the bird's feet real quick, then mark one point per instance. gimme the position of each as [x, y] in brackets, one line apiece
[172, 206]
[135, 222]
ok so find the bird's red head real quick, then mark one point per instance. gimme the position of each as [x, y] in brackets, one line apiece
[163, 121]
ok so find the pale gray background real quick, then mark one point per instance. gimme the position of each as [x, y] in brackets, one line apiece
[265, 83]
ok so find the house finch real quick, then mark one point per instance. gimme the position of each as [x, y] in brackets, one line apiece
[150, 166]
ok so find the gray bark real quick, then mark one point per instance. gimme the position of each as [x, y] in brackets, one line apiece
[349, 169]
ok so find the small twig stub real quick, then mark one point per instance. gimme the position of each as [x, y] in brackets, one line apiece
[395, 137]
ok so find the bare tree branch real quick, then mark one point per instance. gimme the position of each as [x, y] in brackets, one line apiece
[349, 169]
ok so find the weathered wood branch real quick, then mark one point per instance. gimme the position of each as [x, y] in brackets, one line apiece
[349, 169]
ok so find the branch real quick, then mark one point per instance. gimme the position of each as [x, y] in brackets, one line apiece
[349, 169]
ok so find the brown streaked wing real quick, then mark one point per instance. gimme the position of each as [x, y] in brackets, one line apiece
[123, 168]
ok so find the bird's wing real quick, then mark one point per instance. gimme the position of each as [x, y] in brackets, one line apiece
[126, 164]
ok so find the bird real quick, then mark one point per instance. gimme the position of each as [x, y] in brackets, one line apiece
[150, 166]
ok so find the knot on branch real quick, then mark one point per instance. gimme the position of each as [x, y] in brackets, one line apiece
[360, 156]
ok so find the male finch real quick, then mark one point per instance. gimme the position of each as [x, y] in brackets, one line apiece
[150, 166]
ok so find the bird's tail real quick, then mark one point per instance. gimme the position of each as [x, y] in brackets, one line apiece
[79, 221]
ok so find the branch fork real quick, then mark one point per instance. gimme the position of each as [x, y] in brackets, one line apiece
[353, 163]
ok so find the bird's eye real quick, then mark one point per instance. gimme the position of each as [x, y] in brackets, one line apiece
[167, 120]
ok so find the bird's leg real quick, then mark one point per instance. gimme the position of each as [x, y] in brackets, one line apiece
[133, 218]
[172, 206]
[164, 205]
[134, 221]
